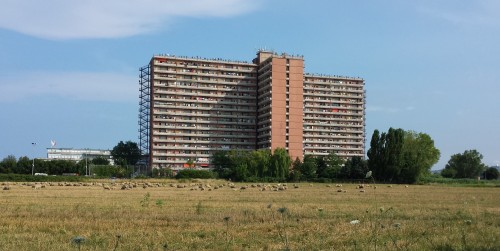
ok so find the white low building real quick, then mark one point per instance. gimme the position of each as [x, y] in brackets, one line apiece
[78, 154]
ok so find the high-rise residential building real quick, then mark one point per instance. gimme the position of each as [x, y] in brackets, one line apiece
[191, 107]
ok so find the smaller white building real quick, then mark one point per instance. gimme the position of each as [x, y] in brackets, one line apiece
[78, 154]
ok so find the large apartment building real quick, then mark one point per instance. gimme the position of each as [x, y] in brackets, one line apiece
[192, 107]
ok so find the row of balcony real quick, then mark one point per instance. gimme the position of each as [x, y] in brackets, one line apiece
[245, 95]
[171, 100]
[208, 65]
[225, 80]
[206, 81]
[209, 127]
[203, 72]
[358, 101]
[163, 134]
[194, 106]
[209, 87]
[206, 148]
[170, 144]
[200, 121]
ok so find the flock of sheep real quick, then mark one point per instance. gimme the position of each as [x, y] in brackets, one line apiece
[198, 186]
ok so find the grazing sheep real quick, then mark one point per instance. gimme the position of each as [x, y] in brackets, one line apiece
[106, 187]
[6, 188]
[361, 191]
[340, 190]
[338, 185]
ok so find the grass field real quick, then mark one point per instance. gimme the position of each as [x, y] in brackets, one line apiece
[311, 217]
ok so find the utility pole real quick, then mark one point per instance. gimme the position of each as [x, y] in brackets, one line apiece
[33, 165]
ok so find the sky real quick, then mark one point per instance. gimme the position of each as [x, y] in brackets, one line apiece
[69, 69]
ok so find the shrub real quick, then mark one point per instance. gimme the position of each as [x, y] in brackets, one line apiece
[194, 174]
[491, 173]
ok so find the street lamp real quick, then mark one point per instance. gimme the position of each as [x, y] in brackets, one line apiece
[87, 171]
[33, 165]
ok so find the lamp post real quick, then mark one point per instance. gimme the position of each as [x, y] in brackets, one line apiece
[86, 163]
[33, 165]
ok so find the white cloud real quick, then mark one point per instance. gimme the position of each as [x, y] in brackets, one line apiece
[74, 19]
[73, 85]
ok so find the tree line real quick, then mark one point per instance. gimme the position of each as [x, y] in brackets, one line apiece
[395, 156]
[125, 155]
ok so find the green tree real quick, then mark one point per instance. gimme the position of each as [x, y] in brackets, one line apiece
[385, 154]
[280, 164]
[100, 161]
[8, 164]
[491, 173]
[23, 165]
[375, 153]
[354, 168]
[127, 153]
[333, 165]
[418, 156]
[401, 156]
[295, 174]
[393, 154]
[466, 165]
[222, 164]
[448, 173]
[308, 168]
[260, 162]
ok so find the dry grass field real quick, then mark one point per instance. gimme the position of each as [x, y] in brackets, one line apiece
[210, 215]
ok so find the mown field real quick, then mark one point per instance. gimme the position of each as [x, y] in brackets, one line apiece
[196, 216]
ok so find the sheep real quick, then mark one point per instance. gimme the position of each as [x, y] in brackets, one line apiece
[6, 188]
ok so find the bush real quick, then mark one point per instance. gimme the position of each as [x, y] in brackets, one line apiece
[106, 171]
[194, 174]
[491, 173]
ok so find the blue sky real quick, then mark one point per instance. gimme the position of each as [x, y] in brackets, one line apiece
[69, 69]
